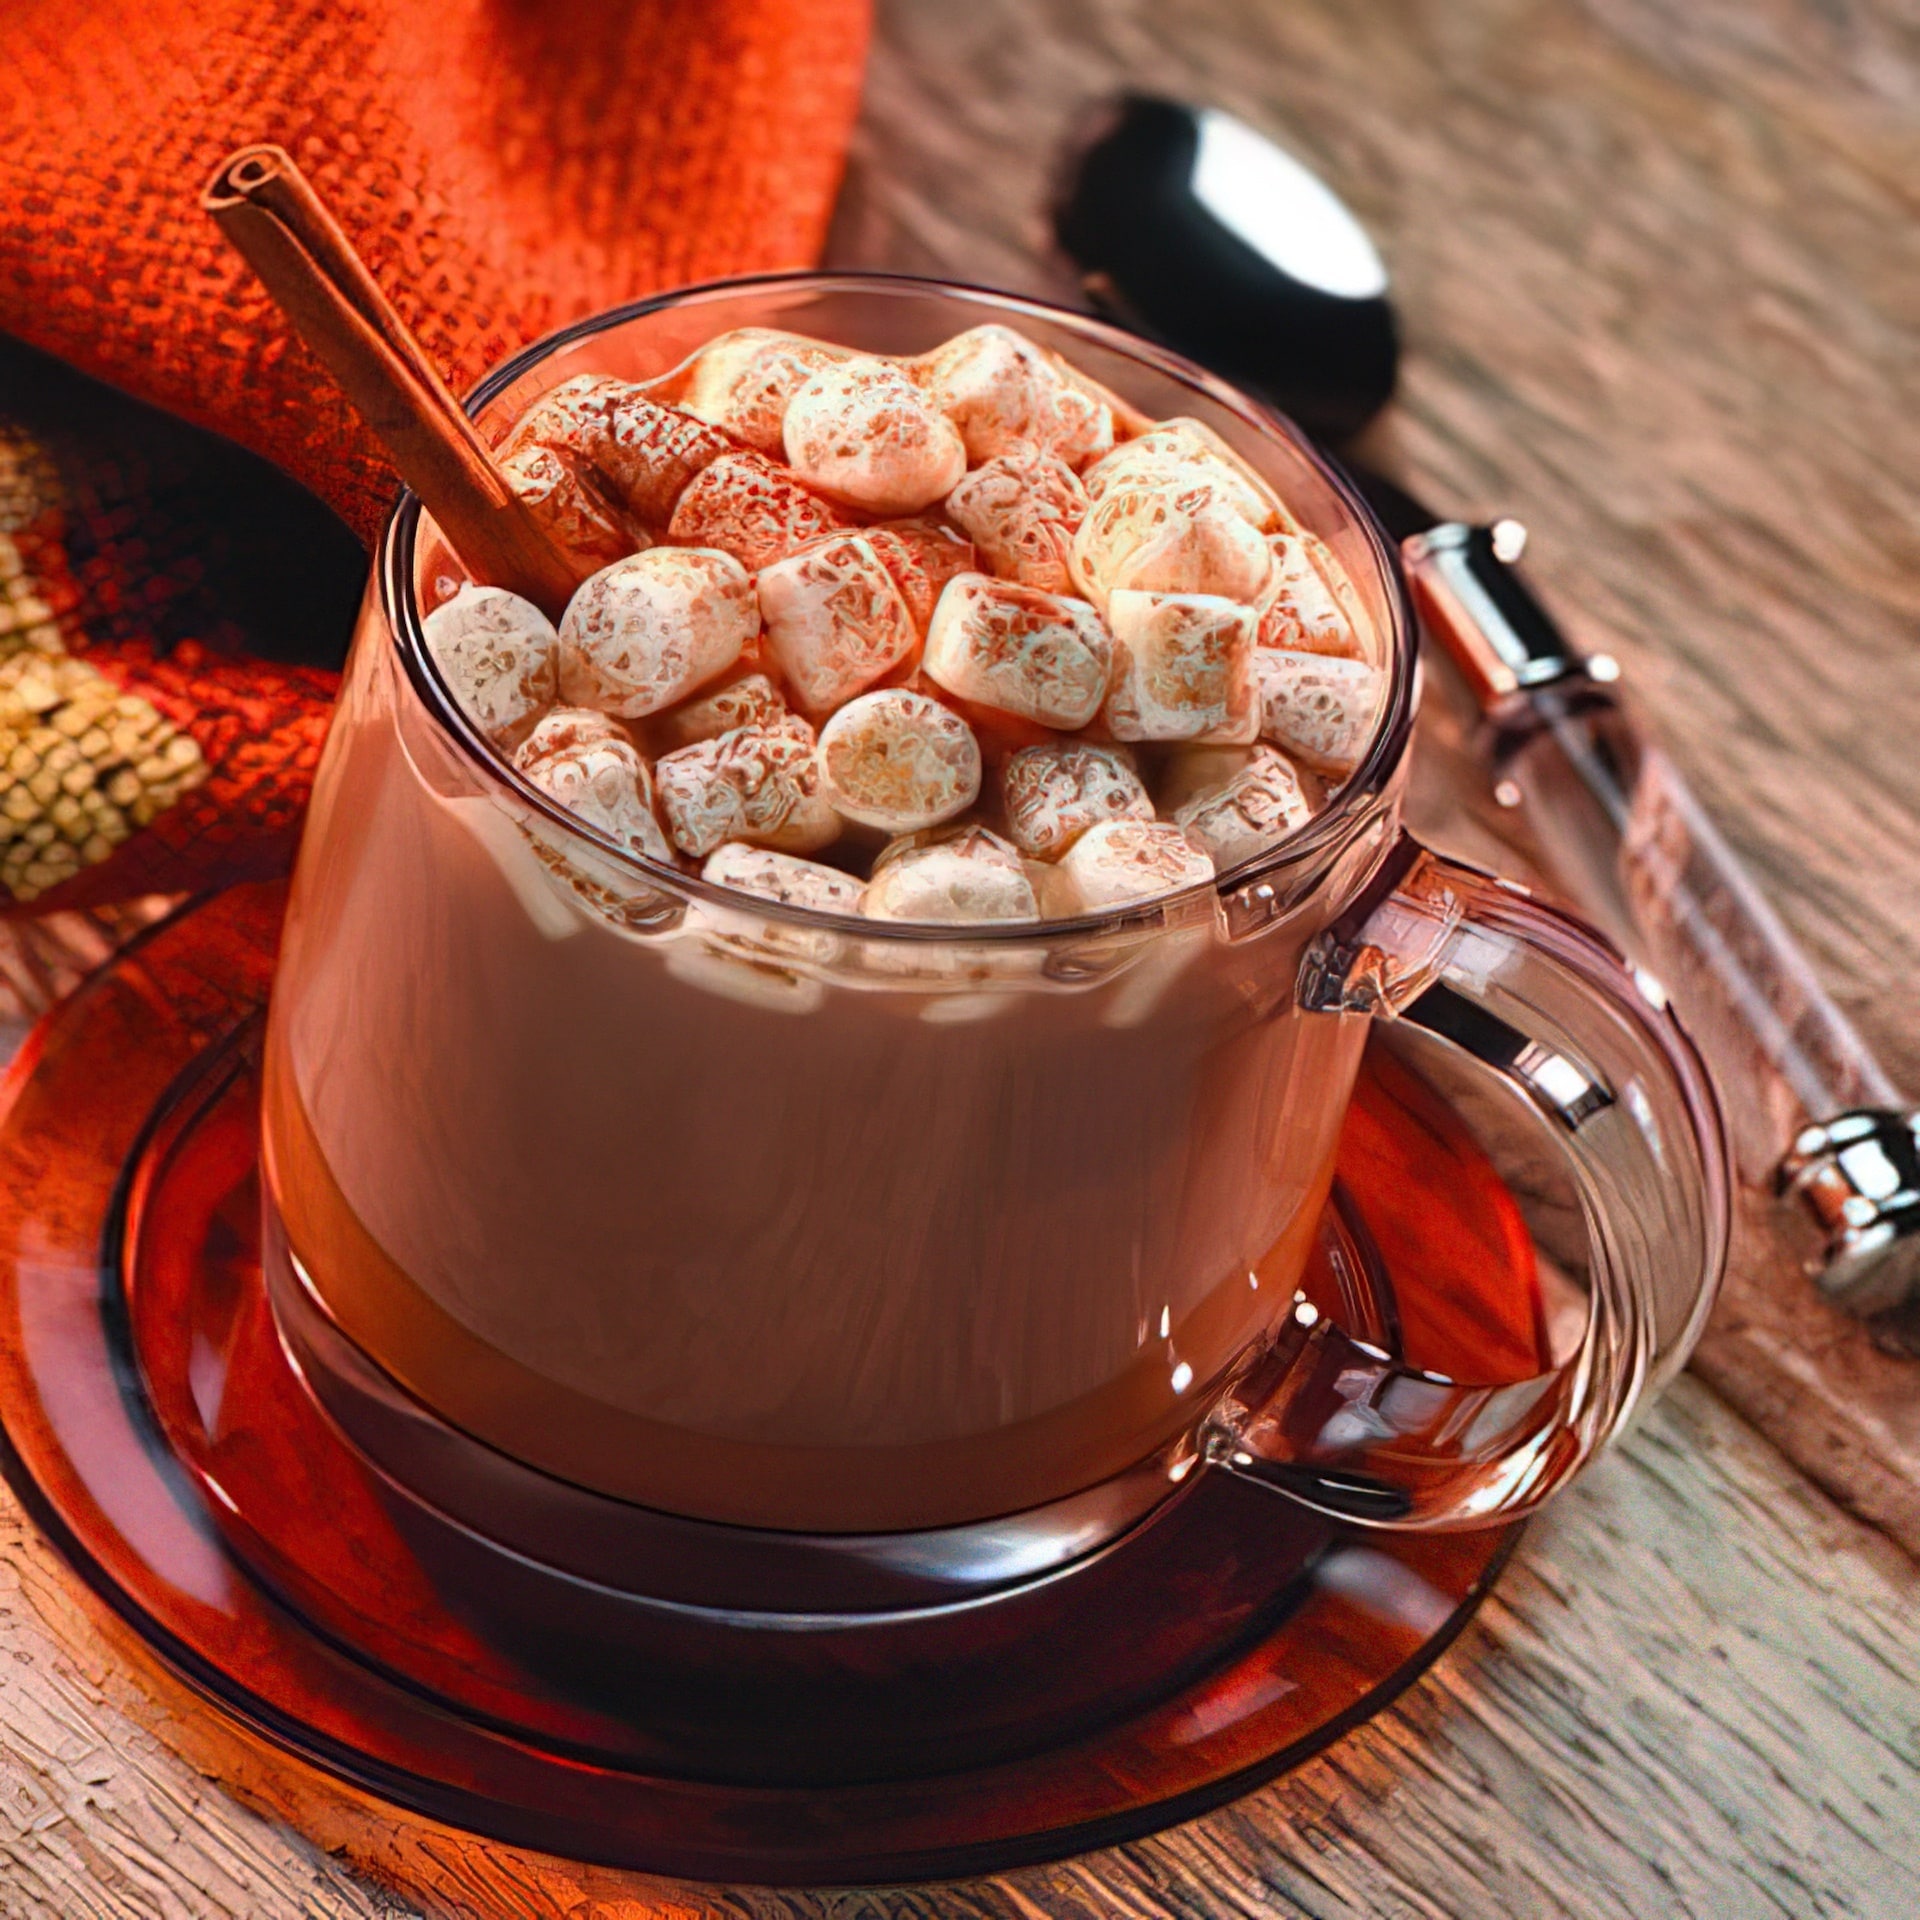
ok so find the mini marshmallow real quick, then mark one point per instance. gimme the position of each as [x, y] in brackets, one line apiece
[1128, 420]
[748, 507]
[922, 556]
[571, 419]
[864, 434]
[1053, 794]
[647, 630]
[1301, 608]
[835, 619]
[759, 784]
[644, 452]
[581, 760]
[1320, 709]
[970, 876]
[1003, 393]
[779, 876]
[1021, 510]
[970, 835]
[1127, 861]
[652, 452]
[1178, 539]
[1251, 812]
[1183, 669]
[1174, 455]
[748, 700]
[742, 381]
[898, 760]
[587, 528]
[566, 730]
[499, 656]
[1042, 656]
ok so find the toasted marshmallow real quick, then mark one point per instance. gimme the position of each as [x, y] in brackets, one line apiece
[1003, 393]
[1128, 420]
[748, 507]
[864, 434]
[779, 876]
[1039, 655]
[1169, 539]
[744, 700]
[1022, 509]
[1318, 708]
[972, 875]
[835, 619]
[646, 631]
[572, 419]
[759, 784]
[1183, 669]
[643, 452]
[1053, 794]
[1255, 809]
[499, 656]
[1302, 608]
[898, 760]
[582, 760]
[571, 512]
[1177, 455]
[652, 452]
[1125, 862]
[922, 556]
[742, 381]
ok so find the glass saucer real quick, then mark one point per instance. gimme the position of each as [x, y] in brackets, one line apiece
[156, 1430]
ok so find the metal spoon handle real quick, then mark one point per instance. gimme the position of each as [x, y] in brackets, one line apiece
[1809, 1108]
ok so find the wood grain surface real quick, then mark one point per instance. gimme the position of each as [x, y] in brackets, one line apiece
[1659, 266]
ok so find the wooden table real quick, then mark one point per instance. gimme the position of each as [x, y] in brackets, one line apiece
[1658, 264]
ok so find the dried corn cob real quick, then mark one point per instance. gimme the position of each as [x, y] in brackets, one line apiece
[82, 765]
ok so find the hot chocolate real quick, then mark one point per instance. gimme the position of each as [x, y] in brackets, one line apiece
[772, 1047]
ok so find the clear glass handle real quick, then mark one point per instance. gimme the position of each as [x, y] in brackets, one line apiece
[1540, 1003]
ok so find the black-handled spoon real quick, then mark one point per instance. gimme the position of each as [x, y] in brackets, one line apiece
[1202, 232]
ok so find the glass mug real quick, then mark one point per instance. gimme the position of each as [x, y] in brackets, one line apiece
[743, 1216]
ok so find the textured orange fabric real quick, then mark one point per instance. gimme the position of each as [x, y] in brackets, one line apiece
[167, 607]
[504, 165]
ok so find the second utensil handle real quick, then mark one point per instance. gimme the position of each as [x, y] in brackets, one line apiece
[1631, 843]
[1633, 848]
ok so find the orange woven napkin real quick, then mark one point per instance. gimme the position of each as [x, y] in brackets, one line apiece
[505, 166]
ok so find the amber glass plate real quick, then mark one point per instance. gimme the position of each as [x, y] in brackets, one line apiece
[157, 1433]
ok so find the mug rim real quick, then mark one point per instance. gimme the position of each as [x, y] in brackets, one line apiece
[1314, 846]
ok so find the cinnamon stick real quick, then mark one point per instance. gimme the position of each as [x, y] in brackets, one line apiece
[271, 214]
